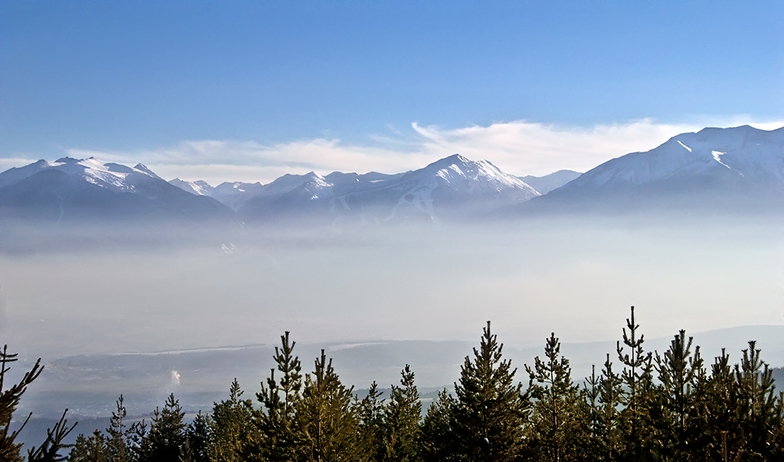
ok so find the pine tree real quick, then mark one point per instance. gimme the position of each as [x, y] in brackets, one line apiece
[49, 451]
[757, 410]
[10, 450]
[679, 373]
[401, 421]
[638, 385]
[328, 419]
[371, 423]
[198, 438]
[439, 442]
[608, 431]
[717, 413]
[776, 438]
[556, 422]
[490, 409]
[166, 438]
[231, 427]
[118, 434]
[591, 394]
[90, 449]
[279, 435]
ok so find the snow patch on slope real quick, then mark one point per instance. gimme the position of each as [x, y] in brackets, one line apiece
[717, 157]
[686, 147]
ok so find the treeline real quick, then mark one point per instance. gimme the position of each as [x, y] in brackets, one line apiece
[645, 406]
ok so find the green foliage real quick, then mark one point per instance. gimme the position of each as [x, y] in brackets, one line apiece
[658, 407]
[10, 451]
[490, 409]
[90, 449]
[371, 424]
[681, 376]
[439, 440]
[401, 421]
[328, 420]
[197, 439]
[231, 426]
[278, 435]
[637, 398]
[557, 422]
[166, 438]
[9, 401]
[119, 435]
[605, 437]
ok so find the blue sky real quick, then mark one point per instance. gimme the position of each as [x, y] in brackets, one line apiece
[250, 90]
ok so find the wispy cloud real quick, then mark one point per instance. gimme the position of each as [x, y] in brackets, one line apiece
[519, 147]
[528, 148]
[216, 161]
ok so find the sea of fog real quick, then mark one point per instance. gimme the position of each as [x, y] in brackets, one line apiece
[576, 277]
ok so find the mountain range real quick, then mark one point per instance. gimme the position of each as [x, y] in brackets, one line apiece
[75, 189]
[732, 167]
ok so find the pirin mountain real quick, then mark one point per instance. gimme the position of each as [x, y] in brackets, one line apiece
[730, 168]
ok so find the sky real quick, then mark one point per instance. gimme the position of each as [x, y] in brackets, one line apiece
[252, 90]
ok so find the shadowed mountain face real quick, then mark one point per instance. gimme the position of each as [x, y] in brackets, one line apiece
[739, 168]
[547, 183]
[232, 194]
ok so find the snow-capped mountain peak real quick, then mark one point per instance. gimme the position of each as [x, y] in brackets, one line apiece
[199, 187]
[476, 176]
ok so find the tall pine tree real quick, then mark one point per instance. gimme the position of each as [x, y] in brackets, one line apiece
[328, 419]
[166, 438]
[637, 379]
[371, 411]
[401, 421]
[557, 423]
[276, 421]
[680, 372]
[439, 441]
[490, 408]
[231, 427]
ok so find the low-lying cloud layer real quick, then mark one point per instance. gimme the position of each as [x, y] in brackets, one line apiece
[518, 147]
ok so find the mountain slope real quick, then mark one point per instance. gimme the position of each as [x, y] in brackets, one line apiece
[732, 167]
[545, 184]
[231, 194]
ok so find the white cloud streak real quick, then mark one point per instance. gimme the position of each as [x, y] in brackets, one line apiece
[518, 147]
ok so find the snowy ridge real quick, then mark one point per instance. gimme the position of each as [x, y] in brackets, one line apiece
[545, 184]
[231, 194]
[739, 168]
[115, 177]
[447, 185]
[740, 151]
[88, 189]
[199, 187]
[452, 179]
